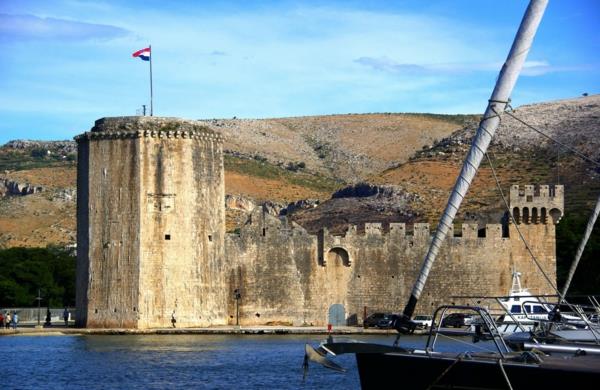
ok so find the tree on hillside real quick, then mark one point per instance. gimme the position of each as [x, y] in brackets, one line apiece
[569, 233]
[24, 270]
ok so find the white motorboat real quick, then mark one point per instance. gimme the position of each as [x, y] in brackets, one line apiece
[525, 311]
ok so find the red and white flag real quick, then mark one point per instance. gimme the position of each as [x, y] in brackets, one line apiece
[144, 54]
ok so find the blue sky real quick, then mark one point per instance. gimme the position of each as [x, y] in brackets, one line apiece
[64, 64]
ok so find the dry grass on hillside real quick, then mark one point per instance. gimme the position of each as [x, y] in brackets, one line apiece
[36, 221]
[433, 180]
[379, 148]
[268, 189]
[346, 147]
[48, 177]
[388, 138]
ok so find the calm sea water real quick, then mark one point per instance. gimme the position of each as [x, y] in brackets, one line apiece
[171, 361]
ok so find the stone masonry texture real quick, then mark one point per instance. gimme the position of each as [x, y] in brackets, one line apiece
[152, 243]
[151, 224]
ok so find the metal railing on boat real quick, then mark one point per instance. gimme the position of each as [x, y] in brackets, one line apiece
[487, 323]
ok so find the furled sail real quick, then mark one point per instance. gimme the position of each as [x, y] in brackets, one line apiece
[487, 127]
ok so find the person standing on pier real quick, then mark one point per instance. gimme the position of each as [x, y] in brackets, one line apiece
[15, 320]
[7, 320]
[173, 319]
[66, 317]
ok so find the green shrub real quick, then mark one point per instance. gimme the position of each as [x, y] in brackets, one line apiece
[568, 235]
[24, 270]
[39, 153]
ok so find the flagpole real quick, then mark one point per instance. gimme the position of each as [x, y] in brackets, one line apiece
[151, 108]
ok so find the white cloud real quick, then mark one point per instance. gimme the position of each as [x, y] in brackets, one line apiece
[530, 68]
[31, 27]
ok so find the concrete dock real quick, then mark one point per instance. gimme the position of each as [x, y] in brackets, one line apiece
[30, 330]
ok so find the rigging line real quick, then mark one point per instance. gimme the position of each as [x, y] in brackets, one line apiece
[458, 359]
[537, 263]
[535, 260]
[504, 373]
[512, 218]
[466, 343]
[568, 147]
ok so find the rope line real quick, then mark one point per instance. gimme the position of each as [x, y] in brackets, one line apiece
[458, 359]
[467, 343]
[535, 260]
[512, 218]
[568, 147]
[504, 373]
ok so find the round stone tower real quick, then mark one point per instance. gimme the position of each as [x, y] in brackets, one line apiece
[150, 224]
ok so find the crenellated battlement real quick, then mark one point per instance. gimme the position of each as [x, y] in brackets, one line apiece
[419, 230]
[373, 228]
[262, 226]
[540, 204]
[530, 192]
[131, 127]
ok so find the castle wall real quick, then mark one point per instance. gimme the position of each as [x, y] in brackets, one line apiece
[271, 266]
[542, 241]
[536, 210]
[290, 276]
[151, 238]
[108, 253]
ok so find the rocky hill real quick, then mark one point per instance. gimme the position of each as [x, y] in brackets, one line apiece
[519, 154]
[331, 171]
[347, 148]
[574, 122]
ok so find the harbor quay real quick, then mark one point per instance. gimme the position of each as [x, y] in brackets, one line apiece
[32, 330]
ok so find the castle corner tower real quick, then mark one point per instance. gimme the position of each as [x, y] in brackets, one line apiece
[150, 224]
[536, 211]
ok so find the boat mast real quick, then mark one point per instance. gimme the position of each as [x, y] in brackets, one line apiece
[487, 127]
[582, 244]
[516, 283]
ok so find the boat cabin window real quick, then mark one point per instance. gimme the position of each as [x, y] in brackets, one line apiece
[539, 309]
[515, 309]
[527, 308]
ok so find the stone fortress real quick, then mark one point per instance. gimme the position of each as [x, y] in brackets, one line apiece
[152, 243]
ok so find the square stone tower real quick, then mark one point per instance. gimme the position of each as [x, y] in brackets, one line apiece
[150, 224]
[536, 211]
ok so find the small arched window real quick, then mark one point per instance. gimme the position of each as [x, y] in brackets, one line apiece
[517, 215]
[526, 215]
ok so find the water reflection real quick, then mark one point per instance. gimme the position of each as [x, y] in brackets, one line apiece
[174, 361]
[161, 361]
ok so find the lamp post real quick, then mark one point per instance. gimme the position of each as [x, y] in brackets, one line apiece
[39, 299]
[237, 296]
[48, 322]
